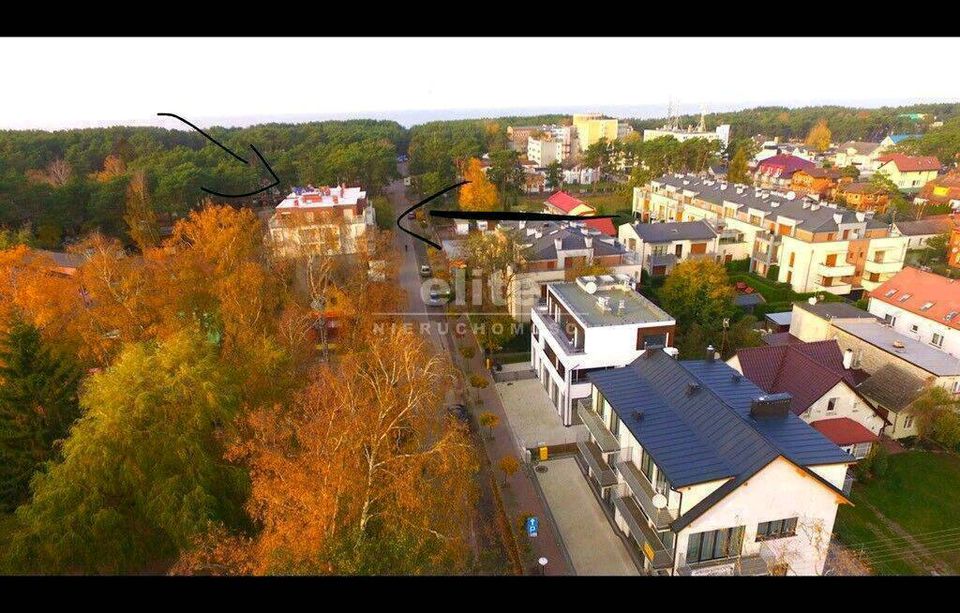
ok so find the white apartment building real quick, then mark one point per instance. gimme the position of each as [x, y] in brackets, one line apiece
[661, 246]
[587, 325]
[921, 305]
[543, 150]
[327, 220]
[817, 246]
[722, 133]
[705, 474]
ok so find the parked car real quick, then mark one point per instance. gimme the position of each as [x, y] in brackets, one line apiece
[411, 216]
[425, 271]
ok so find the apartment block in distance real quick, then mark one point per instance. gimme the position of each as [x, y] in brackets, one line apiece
[591, 127]
[706, 474]
[817, 246]
[590, 324]
[329, 220]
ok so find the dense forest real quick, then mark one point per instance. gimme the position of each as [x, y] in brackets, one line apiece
[68, 182]
[846, 123]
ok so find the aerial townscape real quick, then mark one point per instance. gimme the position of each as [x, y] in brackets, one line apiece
[690, 342]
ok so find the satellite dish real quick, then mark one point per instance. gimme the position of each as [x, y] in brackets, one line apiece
[659, 501]
[812, 300]
[591, 287]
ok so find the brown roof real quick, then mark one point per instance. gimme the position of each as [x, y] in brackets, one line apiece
[893, 387]
[936, 224]
[822, 173]
[911, 163]
[860, 187]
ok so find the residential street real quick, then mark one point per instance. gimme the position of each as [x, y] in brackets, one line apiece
[439, 327]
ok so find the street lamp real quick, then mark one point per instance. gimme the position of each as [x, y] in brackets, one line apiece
[543, 566]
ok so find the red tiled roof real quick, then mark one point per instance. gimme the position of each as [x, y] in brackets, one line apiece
[605, 225]
[780, 338]
[806, 371]
[564, 201]
[784, 164]
[910, 163]
[922, 288]
[844, 431]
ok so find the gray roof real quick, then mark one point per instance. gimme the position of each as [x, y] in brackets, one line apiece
[893, 387]
[835, 310]
[674, 231]
[62, 259]
[862, 147]
[706, 434]
[573, 236]
[637, 309]
[781, 319]
[919, 354]
[800, 209]
[924, 227]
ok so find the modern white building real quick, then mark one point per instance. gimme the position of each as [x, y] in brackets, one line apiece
[722, 133]
[328, 220]
[921, 305]
[543, 150]
[661, 246]
[705, 474]
[587, 325]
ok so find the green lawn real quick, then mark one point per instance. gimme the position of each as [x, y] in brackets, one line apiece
[920, 493]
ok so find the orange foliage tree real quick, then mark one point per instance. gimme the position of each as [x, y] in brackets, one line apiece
[362, 473]
[480, 194]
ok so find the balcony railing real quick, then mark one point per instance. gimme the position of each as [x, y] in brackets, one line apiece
[599, 468]
[747, 566]
[594, 423]
[836, 270]
[886, 266]
[648, 541]
[553, 327]
[833, 288]
[644, 494]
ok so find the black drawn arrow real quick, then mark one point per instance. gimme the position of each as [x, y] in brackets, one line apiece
[276, 179]
[486, 215]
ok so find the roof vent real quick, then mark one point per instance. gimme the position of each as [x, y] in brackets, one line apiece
[770, 406]
[692, 388]
[737, 377]
[638, 415]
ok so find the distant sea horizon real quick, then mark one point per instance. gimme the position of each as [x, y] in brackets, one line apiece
[409, 118]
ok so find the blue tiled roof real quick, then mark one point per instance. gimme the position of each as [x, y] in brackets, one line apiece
[704, 434]
[898, 138]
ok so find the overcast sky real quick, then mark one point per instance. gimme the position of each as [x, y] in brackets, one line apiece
[56, 83]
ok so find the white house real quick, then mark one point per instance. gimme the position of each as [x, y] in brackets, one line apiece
[822, 386]
[661, 246]
[321, 219]
[921, 305]
[587, 325]
[705, 474]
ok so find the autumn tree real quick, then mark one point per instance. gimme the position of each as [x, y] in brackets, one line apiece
[113, 167]
[819, 136]
[509, 465]
[489, 421]
[479, 194]
[937, 417]
[38, 404]
[142, 472]
[140, 217]
[698, 291]
[738, 171]
[362, 473]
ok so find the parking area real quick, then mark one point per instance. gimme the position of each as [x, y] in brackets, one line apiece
[589, 538]
[533, 418]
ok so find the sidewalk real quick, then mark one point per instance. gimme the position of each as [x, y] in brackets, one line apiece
[547, 543]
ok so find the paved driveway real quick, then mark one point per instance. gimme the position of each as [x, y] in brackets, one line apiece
[533, 418]
[589, 538]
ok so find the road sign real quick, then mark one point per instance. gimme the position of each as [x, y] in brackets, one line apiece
[532, 525]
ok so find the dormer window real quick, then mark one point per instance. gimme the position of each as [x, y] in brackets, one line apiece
[890, 292]
[927, 306]
[905, 297]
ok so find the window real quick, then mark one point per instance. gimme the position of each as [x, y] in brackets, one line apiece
[793, 256]
[914, 328]
[956, 387]
[927, 306]
[890, 292]
[832, 405]
[614, 423]
[905, 297]
[781, 528]
[890, 320]
[937, 340]
[646, 465]
[908, 422]
[714, 545]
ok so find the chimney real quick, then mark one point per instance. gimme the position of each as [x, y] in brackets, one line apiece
[770, 406]
[558, 243]
[847, 359]
[711, 353]
[522, 224]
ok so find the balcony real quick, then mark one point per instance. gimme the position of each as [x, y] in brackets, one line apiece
[840, 289]
[599, 468]
[644, 493]
[744, 566]
[884, 267]
[836, 270]
[606, 441]
[641, 532]
[541, 317]
[869, 285]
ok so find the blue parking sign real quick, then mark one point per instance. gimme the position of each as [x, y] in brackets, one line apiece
[532, 525]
